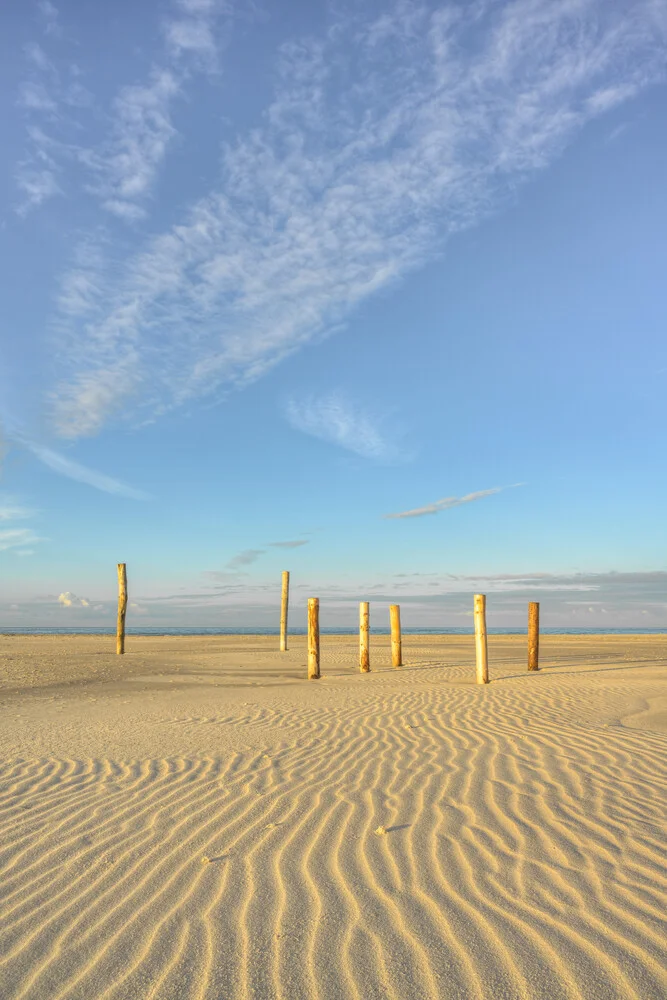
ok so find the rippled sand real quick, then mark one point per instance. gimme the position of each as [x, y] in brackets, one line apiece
[196, 820]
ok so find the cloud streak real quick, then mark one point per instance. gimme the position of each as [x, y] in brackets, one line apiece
[18, 539]
[244, 558]
[383, 138]
[335, 419]
[12, 511]
[81, 473]
[448, 502]
[289, 545]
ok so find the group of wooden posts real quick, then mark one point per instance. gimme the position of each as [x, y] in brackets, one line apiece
[479, 617]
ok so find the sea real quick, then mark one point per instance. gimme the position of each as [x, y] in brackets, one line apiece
[341, 630]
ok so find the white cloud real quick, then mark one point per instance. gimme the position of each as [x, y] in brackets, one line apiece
[16, 538]
[46, 98]
[125, 167]
[335, 419]
[35, 97]
[70, 600]
[49, 17]
[448, 502]
[36, 184]
[12, 511]
[81, 473]
[194, 33]
[383, 139]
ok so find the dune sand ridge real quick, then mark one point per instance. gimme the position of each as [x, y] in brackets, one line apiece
[196, 820]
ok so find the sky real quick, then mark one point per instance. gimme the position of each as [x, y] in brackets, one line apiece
[373, 292]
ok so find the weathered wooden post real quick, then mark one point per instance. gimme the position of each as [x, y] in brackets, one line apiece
[313, 638]
[283, 612]
[364, 649]
[481, 650]
[122, 608]
[533, 635]
[395, 619]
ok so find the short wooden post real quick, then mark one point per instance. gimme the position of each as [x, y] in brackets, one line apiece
[481, 650]
[122, 608]
[313, 638]
[395, 620]
[283, 612]
[533, 635]
[364, 648]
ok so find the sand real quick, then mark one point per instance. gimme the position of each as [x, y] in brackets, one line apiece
[196, 820]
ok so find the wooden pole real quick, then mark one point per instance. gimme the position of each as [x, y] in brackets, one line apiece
[533, 635]
[122, 608]
[395, 619]
[283, 612]
[364, 650]
[481, 650]
[313, 638]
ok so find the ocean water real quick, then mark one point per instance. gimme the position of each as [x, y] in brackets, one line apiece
[380, 630]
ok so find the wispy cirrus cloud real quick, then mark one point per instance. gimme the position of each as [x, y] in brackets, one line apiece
[81, 473]
[336, 419]
[10, 510]
[125, 166]
[17, 539]
[448, 502]
[47, 97]
[192, 30]
[383, 138]
[49, 17]
[122, 169]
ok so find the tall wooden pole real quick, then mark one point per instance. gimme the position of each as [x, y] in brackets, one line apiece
[283, 612]
[364, 649]
[395, 620]
[122, 608]
[533, 635]
[313, 638]
[481, 650]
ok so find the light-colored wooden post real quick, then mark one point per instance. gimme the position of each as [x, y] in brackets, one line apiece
[313, 638]
[364, 649]
[395, 619]
[481, 650]
[283, 612]
[533, 635]
[122, 608]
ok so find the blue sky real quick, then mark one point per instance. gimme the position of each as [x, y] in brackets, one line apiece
[372, 291]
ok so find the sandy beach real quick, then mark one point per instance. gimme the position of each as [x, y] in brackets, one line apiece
[195, 820]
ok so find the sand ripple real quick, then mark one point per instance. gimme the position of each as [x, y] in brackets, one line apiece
[523, 857]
